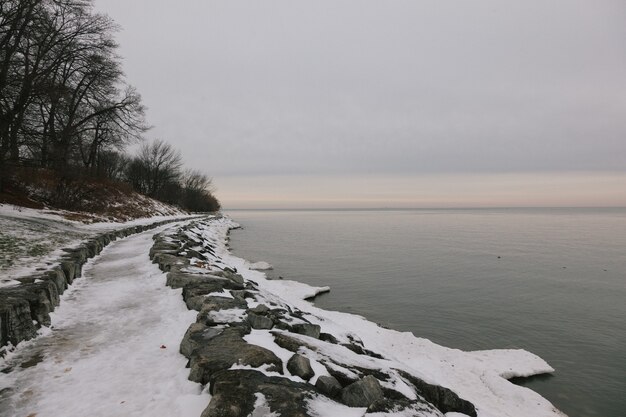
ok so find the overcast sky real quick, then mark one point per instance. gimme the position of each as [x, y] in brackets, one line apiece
[340, 103]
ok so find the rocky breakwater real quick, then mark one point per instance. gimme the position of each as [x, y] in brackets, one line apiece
[261, 356]
[26, 307]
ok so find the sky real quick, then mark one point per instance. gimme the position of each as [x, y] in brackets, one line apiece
[398, 103]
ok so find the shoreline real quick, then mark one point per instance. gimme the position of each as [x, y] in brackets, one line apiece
[478, 378]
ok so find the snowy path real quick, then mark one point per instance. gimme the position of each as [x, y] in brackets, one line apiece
[104, 356]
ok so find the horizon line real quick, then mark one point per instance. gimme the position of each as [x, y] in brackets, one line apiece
[415, 208]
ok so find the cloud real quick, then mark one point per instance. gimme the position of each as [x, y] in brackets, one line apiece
[363, 87]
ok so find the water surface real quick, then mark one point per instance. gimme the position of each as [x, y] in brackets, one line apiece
[552, 281]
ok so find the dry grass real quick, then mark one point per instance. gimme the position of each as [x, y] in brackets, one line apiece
[88, 200]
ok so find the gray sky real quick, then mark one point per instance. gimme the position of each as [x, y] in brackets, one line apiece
[339, 103]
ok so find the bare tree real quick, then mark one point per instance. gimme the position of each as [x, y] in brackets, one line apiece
[156, 167]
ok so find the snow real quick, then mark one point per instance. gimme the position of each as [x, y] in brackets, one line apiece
[33, 239]
[320, 406]
[113, 347]
[260, 266]
[261, 409]
[480, 377]
[228, 315]
[222, 294]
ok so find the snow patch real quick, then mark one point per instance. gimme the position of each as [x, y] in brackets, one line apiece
[260, 266]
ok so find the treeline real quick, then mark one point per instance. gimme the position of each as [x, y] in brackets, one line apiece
[66, 109]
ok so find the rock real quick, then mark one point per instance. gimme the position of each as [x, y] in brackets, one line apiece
[211, 304]
[236, 278]
[404, 407]
[71, 270]
[362, 393]
[178, 279]
[195, 295]
[196, 335]
[57, 276]
[162, 246]
[243, 294]
[190, 253]
[328, 386]
[300, 366]
[166, 261]
[260, 322]
[260, 309]
[292, 344]
[16, 323]
[225, 350]
[441, 397]
[234, 394]
[311, 330]
[327, 337]
[42, 297]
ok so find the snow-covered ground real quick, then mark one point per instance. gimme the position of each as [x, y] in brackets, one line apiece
[113, 348]
[479, 377]
[32, 239]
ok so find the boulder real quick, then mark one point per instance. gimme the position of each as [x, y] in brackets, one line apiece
[292, 344]
[178, 279]
[226, 349]
[57, 276]
[260, 322]
[197, 335]
[404, 407]
[328, 386]
[166, 261]
[261, 309]
[300, 366]
[307, 329]
[42, 297]
[16, 323]
[234, 277]
[362, 393]
[71, 269]
[441, 397]
[235, 392]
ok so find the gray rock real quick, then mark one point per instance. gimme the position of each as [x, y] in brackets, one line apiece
[236, 278]
[42, 297]
[311, 330]
[225, 350]
[261, 309]
[290, 343]
[166, 261]
[16, 323]
[300, 366]
[362, 393]
[328, 386]
[71, 269]
[260, 322]
[57, 276]
[441, 397]
[178, 279]
[233, 395]
[196, 335]
[194, 295]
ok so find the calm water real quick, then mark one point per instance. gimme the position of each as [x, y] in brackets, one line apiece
[557, 290]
